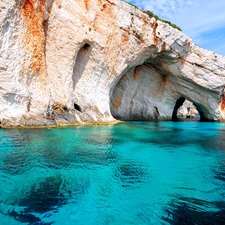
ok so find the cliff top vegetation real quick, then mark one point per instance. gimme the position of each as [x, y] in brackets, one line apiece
[151, 14]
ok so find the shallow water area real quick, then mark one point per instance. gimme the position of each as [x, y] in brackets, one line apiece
[127, 173]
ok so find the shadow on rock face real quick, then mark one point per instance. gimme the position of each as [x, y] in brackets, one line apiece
[192, 212]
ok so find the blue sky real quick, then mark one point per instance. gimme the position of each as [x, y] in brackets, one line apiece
[203, 20]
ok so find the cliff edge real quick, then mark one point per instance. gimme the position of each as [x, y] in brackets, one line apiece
[97, 61]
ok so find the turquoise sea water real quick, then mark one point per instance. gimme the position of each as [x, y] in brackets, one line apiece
[129, 173]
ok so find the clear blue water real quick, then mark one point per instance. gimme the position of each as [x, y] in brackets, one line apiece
[129, 173]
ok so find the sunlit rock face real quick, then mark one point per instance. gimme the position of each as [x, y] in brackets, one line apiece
[67, 61]
[187, 110]
[24, 95]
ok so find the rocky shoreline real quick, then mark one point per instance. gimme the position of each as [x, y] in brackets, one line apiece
[71, 62]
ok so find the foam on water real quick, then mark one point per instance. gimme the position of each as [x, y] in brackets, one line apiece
[129, 173]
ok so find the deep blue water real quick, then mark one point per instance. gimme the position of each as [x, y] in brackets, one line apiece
[129, 173]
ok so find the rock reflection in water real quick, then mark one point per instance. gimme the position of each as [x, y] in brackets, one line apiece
[78, 158]
[100, 157]
[192, 211]
[130, 174]
[215, 143]
[15, 162]
[167, 137]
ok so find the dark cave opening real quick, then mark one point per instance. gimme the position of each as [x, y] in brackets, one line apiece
[86, 46]
[185, 110]
[77, 107]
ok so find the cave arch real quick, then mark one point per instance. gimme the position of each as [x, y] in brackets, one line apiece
[81, 61]
[79, 68]
[180, 102]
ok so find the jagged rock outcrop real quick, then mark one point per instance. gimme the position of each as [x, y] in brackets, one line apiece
[188, 110]
[66, 61]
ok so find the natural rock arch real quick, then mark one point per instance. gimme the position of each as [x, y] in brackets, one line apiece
[179, 103]
[135, 68]
[152, 92]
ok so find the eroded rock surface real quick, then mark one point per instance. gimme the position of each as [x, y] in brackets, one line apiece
[66, 61]
[187, 110]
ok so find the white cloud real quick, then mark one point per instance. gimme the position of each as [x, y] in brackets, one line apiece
[197, 18]
[200, 18]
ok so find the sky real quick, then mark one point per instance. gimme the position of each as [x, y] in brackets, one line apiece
[203, 20]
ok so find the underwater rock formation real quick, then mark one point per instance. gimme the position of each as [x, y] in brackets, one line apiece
[69, 62]
[194, 211]
[45, 198]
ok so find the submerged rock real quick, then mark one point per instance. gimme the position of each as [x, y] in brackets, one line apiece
[194, 211]
[27, 218]
[131, 174]
[70, 62]
[45, 197]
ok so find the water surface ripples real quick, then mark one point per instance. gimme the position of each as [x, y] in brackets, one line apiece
[129, 173]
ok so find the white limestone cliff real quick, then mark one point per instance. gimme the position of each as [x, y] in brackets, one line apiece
[68, 62]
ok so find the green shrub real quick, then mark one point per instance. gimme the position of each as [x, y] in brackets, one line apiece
[171, 24]
[151, 14]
